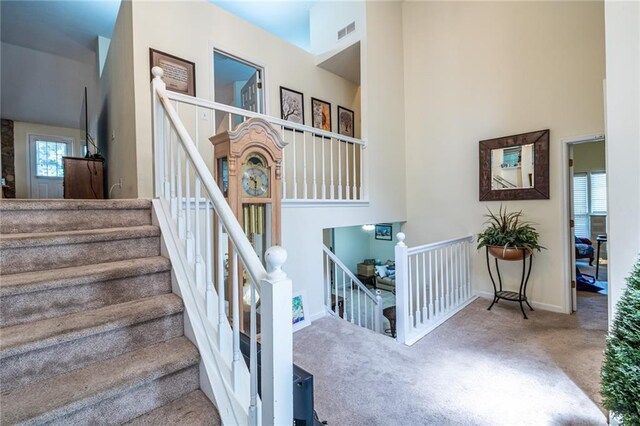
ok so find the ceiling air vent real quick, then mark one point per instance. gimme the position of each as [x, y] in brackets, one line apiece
[346, 30]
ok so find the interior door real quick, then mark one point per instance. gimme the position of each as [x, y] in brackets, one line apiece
[250, 93]
[572, 235]
[46, 169]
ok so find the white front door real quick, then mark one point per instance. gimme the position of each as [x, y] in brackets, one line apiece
[46, 165]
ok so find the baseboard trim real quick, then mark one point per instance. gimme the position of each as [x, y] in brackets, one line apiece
[536, 305]
[318, 315]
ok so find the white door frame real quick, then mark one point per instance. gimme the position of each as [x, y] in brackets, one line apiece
[31, 138]
[566, 212]
[214, 46]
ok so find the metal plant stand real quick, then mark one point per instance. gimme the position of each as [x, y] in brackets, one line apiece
[521, 295]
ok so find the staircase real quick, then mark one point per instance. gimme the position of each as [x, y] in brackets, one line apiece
[90, 331]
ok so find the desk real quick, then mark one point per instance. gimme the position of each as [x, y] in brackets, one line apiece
[600, 239]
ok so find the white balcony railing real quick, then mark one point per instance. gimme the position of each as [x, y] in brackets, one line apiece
[433, 282]
[189, 207]
[318, 167]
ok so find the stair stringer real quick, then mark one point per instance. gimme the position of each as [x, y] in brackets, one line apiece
[216, 375]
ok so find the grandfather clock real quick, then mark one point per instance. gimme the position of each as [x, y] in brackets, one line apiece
[248, 168]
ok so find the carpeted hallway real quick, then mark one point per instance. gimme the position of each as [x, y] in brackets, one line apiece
[479, 368]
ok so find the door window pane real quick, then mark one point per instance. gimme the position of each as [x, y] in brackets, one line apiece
[49, 158]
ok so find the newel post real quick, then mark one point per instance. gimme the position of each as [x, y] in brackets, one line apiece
[378, 314]
[277, 342]
[402, 289]
[161, 182]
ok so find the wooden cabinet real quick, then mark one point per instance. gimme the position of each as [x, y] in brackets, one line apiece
[83, 178]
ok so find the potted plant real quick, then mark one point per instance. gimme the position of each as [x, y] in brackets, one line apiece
[621, 369]
[507, 236]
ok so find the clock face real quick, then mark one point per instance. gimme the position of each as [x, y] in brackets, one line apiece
[255, 179]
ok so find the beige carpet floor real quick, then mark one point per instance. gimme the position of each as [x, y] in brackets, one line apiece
[479, 368]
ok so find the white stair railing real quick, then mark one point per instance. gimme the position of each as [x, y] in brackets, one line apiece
[433, 282]
[346, 296]
[318, 167]
[190, 206]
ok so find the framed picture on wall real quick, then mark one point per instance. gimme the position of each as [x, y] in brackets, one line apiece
[179, 74]
[300, 317]
[384, 232]
[291, 105]
[345, 121]
[321, 114]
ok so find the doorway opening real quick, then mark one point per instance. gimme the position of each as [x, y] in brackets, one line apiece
[237, 83]
[588, 226]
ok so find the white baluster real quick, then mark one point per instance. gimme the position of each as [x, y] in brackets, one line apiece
[181, 228]
[362, 194]
[237, 355]
[284, 168]
[315, 177]
[353, 320]
[449, 278]
[304, 165]
[222, 316]
[189, 243]
[295, 173]
[367, 312]
[425, 313]
[172, 155]
[199, 267]
[336, 292]
[347, 187]
[324, 167]
[339, 169]
[167, 159]
[331, 187]
[359, 310]
[344, 296]
[431, 286]
[208, 261]
[354, 195]
[253, 360]
[327, 280]
[438, 263]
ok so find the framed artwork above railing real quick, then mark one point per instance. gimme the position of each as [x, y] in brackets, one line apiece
[515, 167]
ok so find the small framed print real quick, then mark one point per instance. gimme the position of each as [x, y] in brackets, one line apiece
[321, 114]
[345, 121]
[179, 74]
[291, 105]
[384, 231]
[300, 316]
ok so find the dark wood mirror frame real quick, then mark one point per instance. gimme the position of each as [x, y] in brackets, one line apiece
[540, 190]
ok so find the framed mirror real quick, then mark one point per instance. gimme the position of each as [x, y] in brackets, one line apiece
[515, 167]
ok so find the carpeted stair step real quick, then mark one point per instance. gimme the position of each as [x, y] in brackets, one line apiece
[33, 296]
[109, 392]
[19, 216]
[39, 350]
[52, 250]
[192, 409]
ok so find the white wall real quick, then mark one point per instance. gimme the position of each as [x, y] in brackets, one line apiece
[117, 127]
[210, 26]
[326, 18]
[622, 20]
[480, 70]
[352, 245]
[40, 87]
[21, 132]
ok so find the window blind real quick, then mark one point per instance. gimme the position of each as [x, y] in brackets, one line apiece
[581, 205]
[599, 193]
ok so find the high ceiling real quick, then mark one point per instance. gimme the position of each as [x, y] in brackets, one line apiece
[288, 19]
[64, 28]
